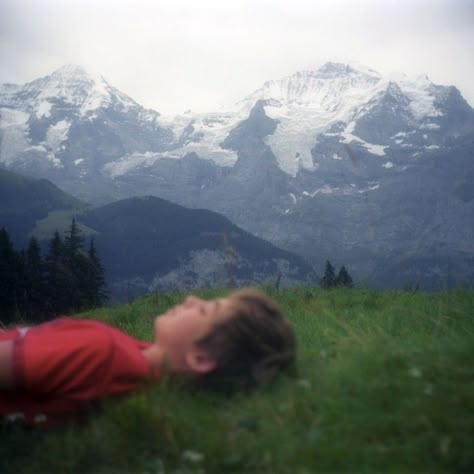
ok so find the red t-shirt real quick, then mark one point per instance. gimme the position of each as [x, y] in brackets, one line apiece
[62, 367]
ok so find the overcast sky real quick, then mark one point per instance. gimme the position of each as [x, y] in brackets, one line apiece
[174, 55]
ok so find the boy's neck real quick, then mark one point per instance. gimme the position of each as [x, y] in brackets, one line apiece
[155, 356]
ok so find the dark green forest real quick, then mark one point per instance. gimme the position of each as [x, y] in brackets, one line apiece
[36, 287]
[331, 280]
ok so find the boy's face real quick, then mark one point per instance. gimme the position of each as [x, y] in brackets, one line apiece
[177, 330]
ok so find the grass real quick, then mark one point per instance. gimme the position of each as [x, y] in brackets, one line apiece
[385, 384]
[60, 221]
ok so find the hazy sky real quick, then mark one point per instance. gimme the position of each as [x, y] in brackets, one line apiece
[173, 55]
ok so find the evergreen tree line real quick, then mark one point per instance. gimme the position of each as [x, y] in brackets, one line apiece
[331, 280]
[69, 278]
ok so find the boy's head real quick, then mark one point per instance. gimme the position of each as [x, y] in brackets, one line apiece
[237, 341]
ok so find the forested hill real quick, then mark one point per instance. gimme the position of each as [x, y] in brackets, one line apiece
[24, 201]
[152, 243]
[148, 243]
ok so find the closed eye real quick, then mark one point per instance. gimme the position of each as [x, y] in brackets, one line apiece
[208, 308]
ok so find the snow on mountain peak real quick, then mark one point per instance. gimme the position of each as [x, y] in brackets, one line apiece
[304, 105]
[333, 69]
[69, 85]
[420, 91]
[70, 71]
[323, 88]
[309, 102]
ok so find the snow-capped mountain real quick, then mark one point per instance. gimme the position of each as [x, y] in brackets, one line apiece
[340, 162]
[71, 86]
[349, 102]
[309, 103]
[325, 88]
[69, 124]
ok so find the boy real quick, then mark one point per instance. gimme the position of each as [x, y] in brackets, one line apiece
[60, 369]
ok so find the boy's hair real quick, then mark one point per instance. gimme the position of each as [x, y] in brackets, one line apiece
[251, 345]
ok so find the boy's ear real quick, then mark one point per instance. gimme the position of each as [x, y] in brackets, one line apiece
[200, 361]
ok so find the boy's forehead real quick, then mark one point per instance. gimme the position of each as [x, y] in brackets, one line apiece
[224, 305]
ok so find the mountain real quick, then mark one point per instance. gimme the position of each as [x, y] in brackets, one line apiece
[67, 126]
[149, 244]
[374, 172]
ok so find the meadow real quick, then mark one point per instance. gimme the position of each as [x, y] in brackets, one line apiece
[385, 383]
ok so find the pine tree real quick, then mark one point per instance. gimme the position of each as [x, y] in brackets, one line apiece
[58, 277]
[8, 278]
[74, 240]
[77, 264]
[344, 279]
[96, 292]
[35, 282]
[21, 283]
[329, 278]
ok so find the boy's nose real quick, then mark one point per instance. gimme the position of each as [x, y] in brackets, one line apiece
[191, 300]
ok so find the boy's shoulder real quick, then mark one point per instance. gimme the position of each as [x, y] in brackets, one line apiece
[65, 338]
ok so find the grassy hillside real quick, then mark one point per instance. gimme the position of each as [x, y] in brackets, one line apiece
[25, 201]
[385, 384]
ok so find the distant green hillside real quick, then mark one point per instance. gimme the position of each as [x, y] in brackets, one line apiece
[385, 385]
[24, 201]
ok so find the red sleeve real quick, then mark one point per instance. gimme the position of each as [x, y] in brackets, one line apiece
[63, 365]
[64, 357]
